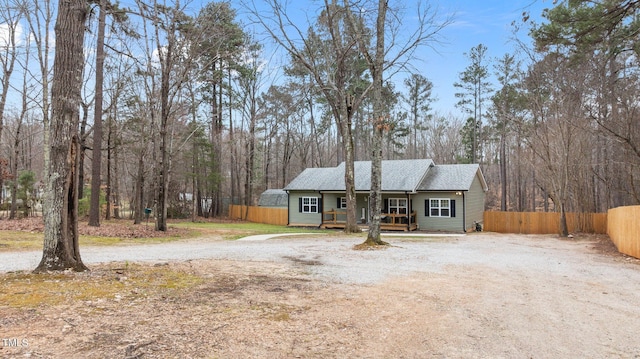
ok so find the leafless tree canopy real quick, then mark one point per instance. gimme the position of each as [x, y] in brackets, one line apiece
[203, 106]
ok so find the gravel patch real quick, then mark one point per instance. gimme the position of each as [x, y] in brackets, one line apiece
[481, 295]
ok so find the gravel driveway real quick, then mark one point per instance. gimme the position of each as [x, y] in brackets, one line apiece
[407, 254]
[481, 295]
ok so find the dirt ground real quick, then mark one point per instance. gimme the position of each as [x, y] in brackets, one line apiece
[217, 308]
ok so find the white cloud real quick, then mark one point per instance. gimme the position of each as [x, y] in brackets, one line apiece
[5, 35]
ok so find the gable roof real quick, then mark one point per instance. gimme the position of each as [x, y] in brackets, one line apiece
[452, 178]
[397, 175]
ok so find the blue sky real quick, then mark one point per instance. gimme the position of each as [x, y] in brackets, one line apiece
[474, 22]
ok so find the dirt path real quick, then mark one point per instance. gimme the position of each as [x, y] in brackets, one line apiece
[480, 296]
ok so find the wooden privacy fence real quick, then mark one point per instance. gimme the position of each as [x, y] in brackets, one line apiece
[543, 222]
[268, 215]
[624, 229]
[622, 224]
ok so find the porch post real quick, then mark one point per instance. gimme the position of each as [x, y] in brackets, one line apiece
[321, 208]
[409, 209]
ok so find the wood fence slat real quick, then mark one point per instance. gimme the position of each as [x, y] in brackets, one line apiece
[543, 222]
[622, 224]
[268, 215]
[624, 229]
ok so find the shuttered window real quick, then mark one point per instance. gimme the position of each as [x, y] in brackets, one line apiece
[397, 205]
[440, 207]
[309, 204]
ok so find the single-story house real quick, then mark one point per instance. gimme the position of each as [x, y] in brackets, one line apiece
[417, 194]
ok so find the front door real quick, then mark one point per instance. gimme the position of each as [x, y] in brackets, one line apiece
[365, 210]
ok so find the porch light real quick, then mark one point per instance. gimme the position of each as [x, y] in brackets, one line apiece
[458, 193]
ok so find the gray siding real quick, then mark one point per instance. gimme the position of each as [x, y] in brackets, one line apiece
[298, 218]
[438, 223]
[475, 203]
[469, 208]
[331, 202]
[362, 205]
[439, 182]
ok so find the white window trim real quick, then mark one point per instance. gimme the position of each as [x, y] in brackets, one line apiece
[440, 207]
[398, 207]
[311, 206]
[343, 202]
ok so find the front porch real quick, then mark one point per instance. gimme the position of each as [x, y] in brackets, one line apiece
[390, 221]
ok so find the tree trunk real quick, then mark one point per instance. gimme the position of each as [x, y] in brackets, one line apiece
[96, 160]
[166, 64]
[14, 170]
[380, 124]
[39, 18]
[8, 61]
[139, 192]
[61, 247]
[564, 229]
[375, 197]
[107, 194]
[83, 147]
[113, 145]
[351, 225]
[503, 172]
[216, 124]
[250, 160]
[235, 183]
[17, 142]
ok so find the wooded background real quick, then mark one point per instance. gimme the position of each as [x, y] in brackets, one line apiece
[186, 99]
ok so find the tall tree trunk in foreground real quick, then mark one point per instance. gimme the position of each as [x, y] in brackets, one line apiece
[380, 124]
[61, 249]
[96, 161]
[346, 110]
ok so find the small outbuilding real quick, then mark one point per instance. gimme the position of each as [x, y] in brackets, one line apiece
[273, 198]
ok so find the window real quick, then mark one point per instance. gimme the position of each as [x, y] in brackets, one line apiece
[309, 204]
[398, 205]
[440, 207]
[342, 202]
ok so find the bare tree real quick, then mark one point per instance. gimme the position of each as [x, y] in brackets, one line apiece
[380, 120]
[250, 82]
[379, 60]
[556, 90]
[329, 55]
[169, 42]
[61, 247]
[10, 16]
[39, 15]
[506, 105]
[96, 161]
[17, 135]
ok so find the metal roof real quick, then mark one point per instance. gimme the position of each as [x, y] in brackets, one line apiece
[273, 198]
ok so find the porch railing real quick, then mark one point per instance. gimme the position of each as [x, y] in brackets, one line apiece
[400, 219]
[389, 220]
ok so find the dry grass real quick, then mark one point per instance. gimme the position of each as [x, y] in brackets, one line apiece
[26, 234]
[111, 282]
[264, 309]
